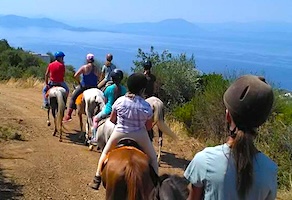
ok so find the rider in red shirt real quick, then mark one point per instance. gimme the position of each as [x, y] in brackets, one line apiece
[55, 76]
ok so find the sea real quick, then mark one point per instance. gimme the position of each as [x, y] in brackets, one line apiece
[271, 58]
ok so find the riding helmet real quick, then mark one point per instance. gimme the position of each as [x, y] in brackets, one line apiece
[249, 100]
[109, 57]
[117, 75]
[90, 57]
[147, 64]
[136, 82]
[59, 54]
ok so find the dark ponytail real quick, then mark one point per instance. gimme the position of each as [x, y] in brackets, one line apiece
[244, 151]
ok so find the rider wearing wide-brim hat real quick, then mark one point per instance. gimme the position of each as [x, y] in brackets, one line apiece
[133, 117]
[237, 169]
[55, 76]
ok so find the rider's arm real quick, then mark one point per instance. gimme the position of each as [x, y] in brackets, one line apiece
[113, 117]
[102, 74]
[77, 74]
[195, 193]
[47, 75]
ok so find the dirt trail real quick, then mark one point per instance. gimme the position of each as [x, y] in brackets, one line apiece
[40, 167]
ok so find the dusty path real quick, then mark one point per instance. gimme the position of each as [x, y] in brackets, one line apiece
[40, 167]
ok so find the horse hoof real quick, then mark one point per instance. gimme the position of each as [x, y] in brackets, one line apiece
[49, 123]
[90, 147]
[54, 134]
[60, 140]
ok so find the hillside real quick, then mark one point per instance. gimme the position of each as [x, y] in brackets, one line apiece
[18, 22]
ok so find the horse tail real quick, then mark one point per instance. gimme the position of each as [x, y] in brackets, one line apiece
[61, 109]
[158, 113]
[134, 181]
[165, 129]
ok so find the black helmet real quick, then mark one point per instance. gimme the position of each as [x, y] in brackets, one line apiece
[109, 57]
[117, 75]
[249, 100]
[147, 64]
[136, 82]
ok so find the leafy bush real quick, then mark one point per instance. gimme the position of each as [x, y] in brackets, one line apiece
[176, 76]
[204, 114]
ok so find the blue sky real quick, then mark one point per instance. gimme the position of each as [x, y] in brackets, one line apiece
[152, 10]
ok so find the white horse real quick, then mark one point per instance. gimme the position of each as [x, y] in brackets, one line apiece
[57, 99]
[105, 130]
[92, 103]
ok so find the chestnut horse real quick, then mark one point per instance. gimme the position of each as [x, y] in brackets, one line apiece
[127, 174]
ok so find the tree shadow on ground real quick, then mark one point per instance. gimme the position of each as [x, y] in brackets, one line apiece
[8, 188]
[173, 161]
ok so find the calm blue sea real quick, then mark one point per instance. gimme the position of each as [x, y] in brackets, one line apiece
[268, 57]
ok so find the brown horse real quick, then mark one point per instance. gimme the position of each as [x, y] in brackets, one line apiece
[127, 175]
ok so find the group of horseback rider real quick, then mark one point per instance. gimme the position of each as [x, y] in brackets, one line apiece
[243, 172]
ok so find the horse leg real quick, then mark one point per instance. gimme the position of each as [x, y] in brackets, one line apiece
[48, 119]
[160, 140]
[60, 138]
[55, 129]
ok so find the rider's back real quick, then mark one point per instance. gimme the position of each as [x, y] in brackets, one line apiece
[57, 71]
[219, 178]
[89, 78]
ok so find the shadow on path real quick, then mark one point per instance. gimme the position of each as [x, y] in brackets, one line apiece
[8, 188]
[173, 161]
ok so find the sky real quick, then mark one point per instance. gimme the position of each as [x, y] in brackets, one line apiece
[120, 11]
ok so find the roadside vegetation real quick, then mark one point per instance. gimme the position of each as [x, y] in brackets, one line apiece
[191, 98]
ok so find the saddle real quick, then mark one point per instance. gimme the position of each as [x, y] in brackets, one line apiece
[51, 86]
[125, 143]
[128, 142]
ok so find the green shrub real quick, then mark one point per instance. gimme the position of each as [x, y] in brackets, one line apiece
[176, 76]
[204, 114]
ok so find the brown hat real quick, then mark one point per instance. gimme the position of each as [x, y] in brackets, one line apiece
[249, 100]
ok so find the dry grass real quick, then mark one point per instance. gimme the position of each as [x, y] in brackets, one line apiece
[284, 195]
[191, 145]
[30, 82]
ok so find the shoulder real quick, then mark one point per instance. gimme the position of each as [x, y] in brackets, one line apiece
[266, 163]
[119, 101]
